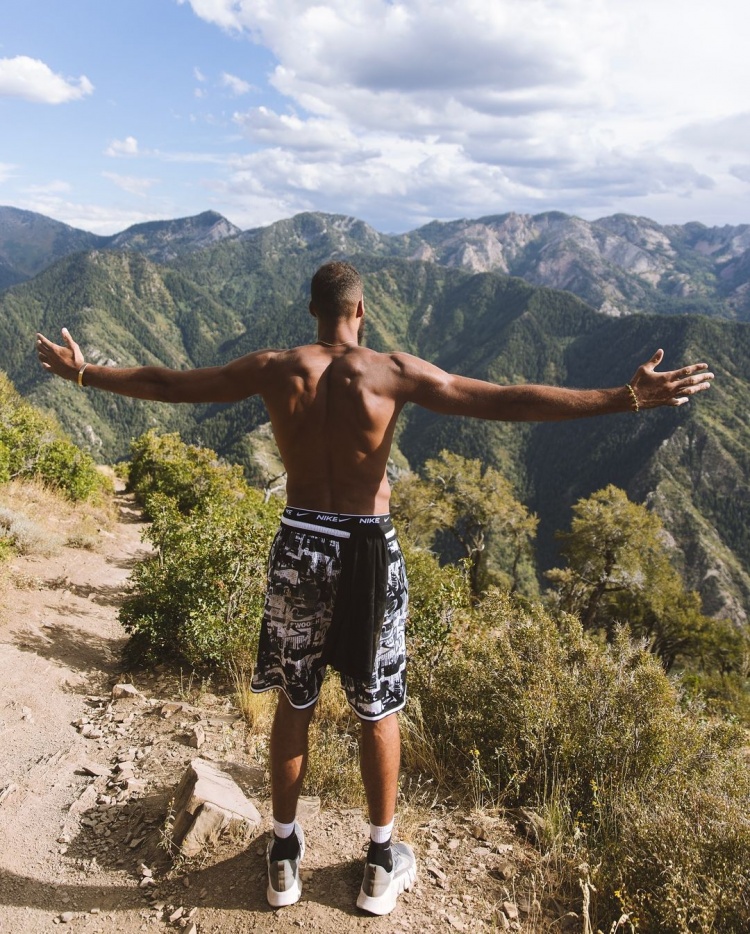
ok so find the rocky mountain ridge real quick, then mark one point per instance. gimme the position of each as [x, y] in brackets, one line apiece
[619, 265]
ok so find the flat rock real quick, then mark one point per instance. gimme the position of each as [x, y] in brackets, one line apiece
[197, 736]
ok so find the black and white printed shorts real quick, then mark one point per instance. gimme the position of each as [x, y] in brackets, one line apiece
[303, 572]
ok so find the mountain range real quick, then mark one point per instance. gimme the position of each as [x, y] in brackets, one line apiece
[618, 265]
[484, 298]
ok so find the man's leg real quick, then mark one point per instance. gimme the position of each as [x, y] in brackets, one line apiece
[288, 757]
[390, 868]
[380, 757]
[288, 764]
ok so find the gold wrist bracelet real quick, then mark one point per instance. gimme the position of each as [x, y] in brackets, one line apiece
[80, 374]
[636, 403]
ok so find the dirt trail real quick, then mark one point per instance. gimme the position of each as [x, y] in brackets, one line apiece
[71, 842]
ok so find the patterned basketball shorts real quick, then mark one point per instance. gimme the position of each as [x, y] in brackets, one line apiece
[303, 572]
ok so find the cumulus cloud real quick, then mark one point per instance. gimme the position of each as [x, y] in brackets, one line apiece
[449, 108]
[122, 147]
[33, 80]
[134, 185]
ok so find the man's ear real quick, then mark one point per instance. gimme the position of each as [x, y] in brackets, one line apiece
[360, 307]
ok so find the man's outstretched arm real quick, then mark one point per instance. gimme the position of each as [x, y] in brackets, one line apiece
[449, 394]
[229, 383]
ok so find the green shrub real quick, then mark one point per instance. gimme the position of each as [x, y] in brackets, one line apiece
[639, 785]
[185, 473]
[32, 445]
[199, 599]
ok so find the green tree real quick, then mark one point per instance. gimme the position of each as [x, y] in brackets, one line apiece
[619, 572]
[476, 505]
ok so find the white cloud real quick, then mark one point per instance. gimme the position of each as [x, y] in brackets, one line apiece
[198, 75]
[446, 108]
[131, 183]
[7, 170]
[236, 85]
[122, 147]
[32, 80]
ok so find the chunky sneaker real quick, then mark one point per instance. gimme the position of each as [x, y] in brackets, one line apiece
[381, 888]
[284, 886]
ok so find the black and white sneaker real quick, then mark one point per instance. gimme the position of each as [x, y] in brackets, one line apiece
[284, 886]
[381, 888]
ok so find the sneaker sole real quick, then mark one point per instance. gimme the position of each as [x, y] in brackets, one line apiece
[282, 899]
[385, 903]
[291, 896]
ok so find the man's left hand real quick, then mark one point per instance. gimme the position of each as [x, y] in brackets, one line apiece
[673, 387]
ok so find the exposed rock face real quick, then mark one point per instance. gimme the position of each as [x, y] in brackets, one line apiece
[165, 240]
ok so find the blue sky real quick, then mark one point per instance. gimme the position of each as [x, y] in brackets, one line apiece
[120, 111]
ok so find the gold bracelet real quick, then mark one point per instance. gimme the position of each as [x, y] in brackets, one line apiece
[80, 374]
[636, 403]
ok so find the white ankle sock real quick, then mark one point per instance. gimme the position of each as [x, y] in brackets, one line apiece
[282, 831]
[381, 834]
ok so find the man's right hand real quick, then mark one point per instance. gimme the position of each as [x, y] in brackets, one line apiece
[64, 361]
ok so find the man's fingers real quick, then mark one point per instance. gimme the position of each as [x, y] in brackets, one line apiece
[68, 339]
[690, 370]
[655, 360]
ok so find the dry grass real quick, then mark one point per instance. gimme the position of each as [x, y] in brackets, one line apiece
[46, 520]
[257, 709]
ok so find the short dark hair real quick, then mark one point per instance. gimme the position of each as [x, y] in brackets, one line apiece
[334, 289]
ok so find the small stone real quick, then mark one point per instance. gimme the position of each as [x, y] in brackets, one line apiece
[95, 911]
[27, 715]
[197, 736]
[125, 690]
[308, 808]
[91, 732]
[511, 910]
[506, 871]
[93, 768]
[437, 873]
[67, 916]
[144, 870]
[170, 709]
[454, 844]
[186, 881]
[191, 928]
[145, 882]
[176, 915]
[456, 923]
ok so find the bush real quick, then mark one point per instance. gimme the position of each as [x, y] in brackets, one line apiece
[186, 474]
[200, 598]
[632, 781]
[32, 445]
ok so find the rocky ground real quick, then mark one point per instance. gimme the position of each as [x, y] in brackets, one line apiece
[86, 781]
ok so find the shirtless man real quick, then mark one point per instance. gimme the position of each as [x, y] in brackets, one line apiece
[333, 406]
